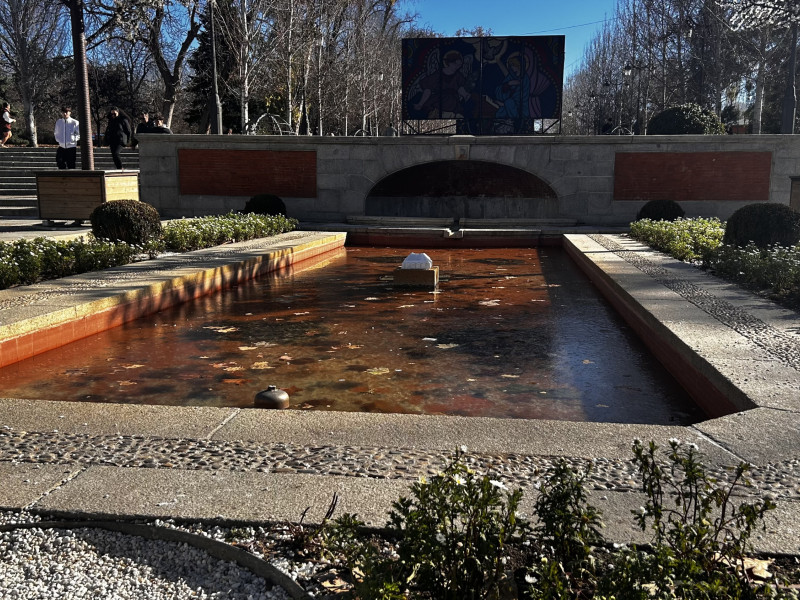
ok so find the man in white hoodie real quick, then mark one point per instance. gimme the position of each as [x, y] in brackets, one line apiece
[67, 135]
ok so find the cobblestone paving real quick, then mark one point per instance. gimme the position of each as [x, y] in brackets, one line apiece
[783, 347]
[780, 479]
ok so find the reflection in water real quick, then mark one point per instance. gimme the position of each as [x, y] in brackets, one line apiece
[512, 333]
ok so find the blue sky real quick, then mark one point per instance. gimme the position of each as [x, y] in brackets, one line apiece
[578, 20]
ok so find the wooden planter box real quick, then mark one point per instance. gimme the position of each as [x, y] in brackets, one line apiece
[73, 194]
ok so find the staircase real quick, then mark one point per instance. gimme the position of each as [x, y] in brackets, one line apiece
[18, 167]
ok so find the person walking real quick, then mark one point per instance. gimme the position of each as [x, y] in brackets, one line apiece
[144, 127]
[118, 133]
[5, 124]
[67, 135]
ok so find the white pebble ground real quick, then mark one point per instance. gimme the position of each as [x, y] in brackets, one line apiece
[94, 563]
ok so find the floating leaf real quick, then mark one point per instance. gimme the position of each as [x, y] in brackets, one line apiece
[219, 329]
[265, 344]
[508, 376]
[489, 302]
[245, 348]
[233, 369]
[234, 381]
[132, 366]
[588, 362]
[354, 346]
[446, 346]
[378, 371]
[261, 365]
[124, 383]
[286, 357]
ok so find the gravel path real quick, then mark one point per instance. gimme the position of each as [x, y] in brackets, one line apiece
[47, 563]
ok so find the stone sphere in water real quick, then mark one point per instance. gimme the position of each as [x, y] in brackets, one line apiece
[272, 397]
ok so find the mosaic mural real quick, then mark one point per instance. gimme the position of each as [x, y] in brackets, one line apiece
[488, 85]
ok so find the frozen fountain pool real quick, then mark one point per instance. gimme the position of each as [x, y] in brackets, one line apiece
[517, 333]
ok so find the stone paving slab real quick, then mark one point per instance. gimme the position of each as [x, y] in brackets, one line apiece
[24, 484]
[110, 492]
[446, 434]
[769, 383]
[760, 436]
[112, 419]
[781, 534]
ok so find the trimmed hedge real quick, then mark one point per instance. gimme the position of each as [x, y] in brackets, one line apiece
[684, 120]
[764, 225]
[128, 221]
[660, 210]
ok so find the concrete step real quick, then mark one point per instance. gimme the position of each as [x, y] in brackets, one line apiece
[18, 167]
[7, 212]
[10, 182]
[11, 193]
[6, 174]
[400, 221]
[19, 201]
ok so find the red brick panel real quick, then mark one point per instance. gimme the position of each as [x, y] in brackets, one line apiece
[286, 173]
[691, 176]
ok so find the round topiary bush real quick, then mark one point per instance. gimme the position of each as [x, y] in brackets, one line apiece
[265, 204]
[685, 119]
[764, 224]
[128, 221]
[660, 210]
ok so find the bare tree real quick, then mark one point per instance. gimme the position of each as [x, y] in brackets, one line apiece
[167, 28]
[31, 35]
[755, 14]
[246, 28]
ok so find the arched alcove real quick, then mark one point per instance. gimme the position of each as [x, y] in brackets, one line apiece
[462, 189]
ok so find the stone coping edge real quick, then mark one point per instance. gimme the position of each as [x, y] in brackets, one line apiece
[714, 393]
[155, 293]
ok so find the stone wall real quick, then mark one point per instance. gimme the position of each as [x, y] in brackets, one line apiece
[597, 180]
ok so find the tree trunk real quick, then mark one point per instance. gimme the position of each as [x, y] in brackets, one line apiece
[30, 120]
[790, 98]
[82, 83]
[168, 104]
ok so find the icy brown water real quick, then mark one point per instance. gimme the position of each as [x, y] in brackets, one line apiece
[517, 333]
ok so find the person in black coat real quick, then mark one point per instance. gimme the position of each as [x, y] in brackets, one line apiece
[118, 134]
[143, 127]
[158, 125]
